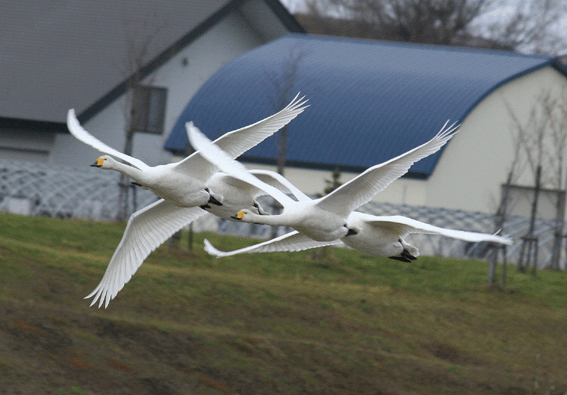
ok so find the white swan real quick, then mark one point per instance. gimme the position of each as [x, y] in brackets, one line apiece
[323, 219]
[183, 183]
[381, 236]
[149, 227]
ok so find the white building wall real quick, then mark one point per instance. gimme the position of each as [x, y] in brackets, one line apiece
[204, 56]
[477, 161]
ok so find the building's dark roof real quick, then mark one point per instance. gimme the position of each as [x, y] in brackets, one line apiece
[370, 100]
[64, 54]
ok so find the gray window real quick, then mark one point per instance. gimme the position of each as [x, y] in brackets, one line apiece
[148, 109]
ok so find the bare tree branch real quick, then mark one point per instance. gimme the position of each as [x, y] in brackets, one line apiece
[526, 27]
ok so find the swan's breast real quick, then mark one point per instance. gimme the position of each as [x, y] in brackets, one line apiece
[179, 189]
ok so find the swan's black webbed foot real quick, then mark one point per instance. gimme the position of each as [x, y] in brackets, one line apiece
[212, 199]
[352, 232]
[405, 256]
[399, 258]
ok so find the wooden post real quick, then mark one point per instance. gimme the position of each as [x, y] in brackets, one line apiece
[529, 238]
[499, 224]
[558, 231]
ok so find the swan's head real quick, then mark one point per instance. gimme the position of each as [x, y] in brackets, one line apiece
[242, 215]
[103, 162]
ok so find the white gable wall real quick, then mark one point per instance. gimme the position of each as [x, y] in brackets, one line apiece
[226, 40]
[476, 163]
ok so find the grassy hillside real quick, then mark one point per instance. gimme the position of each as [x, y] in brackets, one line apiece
[188, 323]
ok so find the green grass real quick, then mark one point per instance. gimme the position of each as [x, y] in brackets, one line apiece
[188, 323]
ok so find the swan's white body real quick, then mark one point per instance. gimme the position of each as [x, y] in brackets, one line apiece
[149, 227]
[167, 181]
[323, 219]
[381, 236]
[384, 235]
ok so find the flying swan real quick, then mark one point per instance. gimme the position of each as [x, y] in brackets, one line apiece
[381, 236]
[149, 227]
[326, 218]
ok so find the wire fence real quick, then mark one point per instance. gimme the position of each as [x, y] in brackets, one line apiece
[36, 189]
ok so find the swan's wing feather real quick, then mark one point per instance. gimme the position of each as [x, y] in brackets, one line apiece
[239, 141]
[277, 180]
[269, 177]
[405, 226]
[85, 137]
[290, 242]
[146, 230]
[364, 187]
[225, 163]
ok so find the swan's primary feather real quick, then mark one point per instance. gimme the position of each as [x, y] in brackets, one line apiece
[146, 230]
[361, 189]
[278, 181]
[82, 135]
[226, 163]
[290, 242]
[405, 226]
[269, 177]
[238, 141]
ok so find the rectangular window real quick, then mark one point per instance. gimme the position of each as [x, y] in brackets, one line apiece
[148, 109]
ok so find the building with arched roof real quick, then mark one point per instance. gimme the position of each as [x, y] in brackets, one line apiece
[371, 101]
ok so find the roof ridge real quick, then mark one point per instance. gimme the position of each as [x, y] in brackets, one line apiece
[434, 47]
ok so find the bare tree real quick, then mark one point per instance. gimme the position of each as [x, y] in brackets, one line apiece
[283, 82]
[138, 48]
[526, 27]
[540, 142]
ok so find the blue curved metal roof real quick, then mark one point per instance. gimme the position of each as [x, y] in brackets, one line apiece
[369, 100]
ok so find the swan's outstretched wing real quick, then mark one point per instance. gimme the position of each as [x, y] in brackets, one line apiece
[146, 230]
[277, 180]
[227, 164]
[361, 189]
[239, 141]
[83, 136]
[404, 226]
[290, 242]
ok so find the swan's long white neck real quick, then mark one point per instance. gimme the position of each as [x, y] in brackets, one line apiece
[273, 220]
[130, 171]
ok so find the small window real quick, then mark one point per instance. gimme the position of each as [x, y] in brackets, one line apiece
[148, 109]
